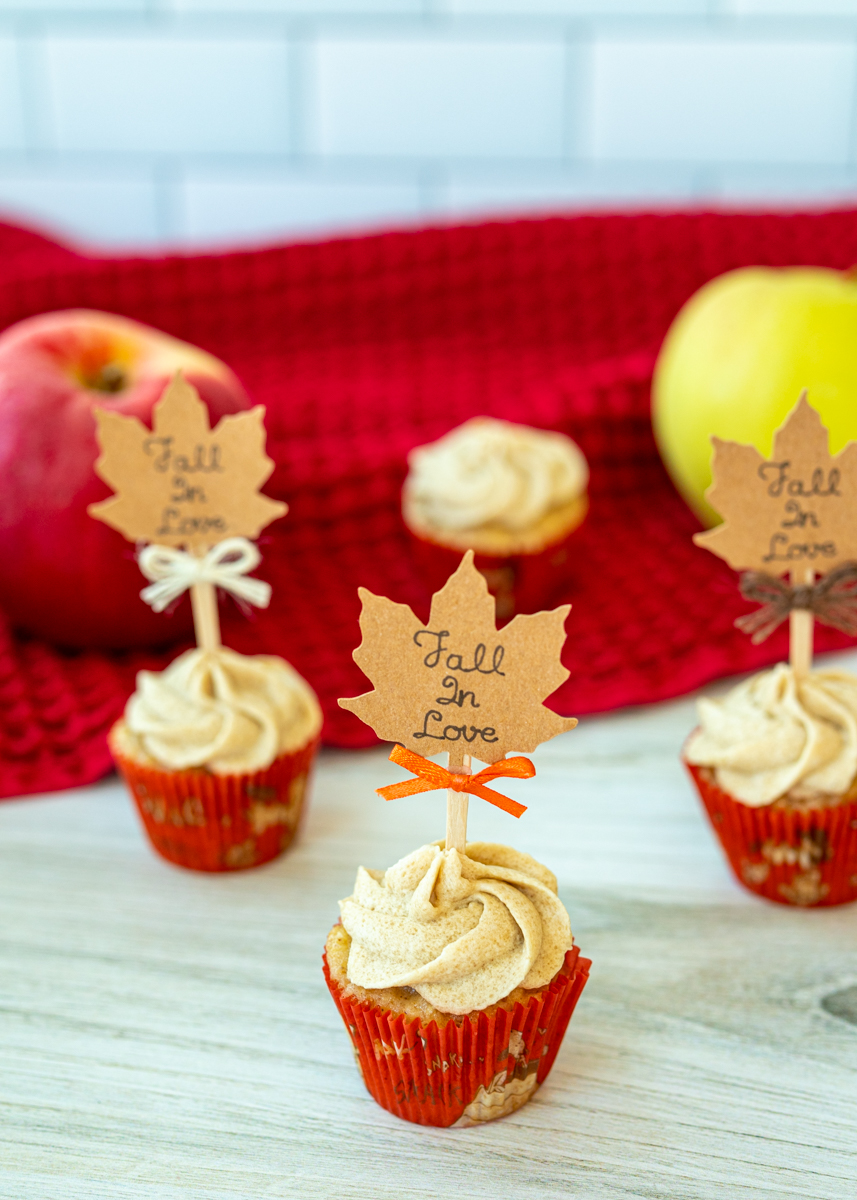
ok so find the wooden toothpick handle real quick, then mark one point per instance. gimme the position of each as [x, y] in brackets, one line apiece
[801, 628]
[206, 619]
[456, 806]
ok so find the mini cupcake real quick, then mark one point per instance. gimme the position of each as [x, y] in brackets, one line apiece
[775, 763]
[456, 977]
[216, 751]
[510, 493]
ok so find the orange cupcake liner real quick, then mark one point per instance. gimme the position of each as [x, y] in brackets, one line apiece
[209, 822]
[472, 1069]
[800, 856]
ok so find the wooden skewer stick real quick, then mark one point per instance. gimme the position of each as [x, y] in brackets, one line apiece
[206, 621]
[456, 804]
[800, 627]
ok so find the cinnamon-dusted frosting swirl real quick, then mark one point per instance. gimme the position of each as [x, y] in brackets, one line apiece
[463, 930]
[493, 476]
[775, 734]
[218, 709]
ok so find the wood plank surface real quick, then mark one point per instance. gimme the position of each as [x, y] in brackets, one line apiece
[166, 1035]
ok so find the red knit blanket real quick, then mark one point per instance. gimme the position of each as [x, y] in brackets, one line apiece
[364, 347]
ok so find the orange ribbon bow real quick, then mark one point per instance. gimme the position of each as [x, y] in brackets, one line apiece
[431, 777]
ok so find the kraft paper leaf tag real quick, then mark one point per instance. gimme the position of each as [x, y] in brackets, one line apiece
[458, 684]
[793, 511]
[182, 483]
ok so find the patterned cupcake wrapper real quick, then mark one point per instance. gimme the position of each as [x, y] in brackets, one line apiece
[221, 822]
[800, 856]
[471, 1070]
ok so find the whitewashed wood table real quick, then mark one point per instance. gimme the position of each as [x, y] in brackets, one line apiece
[168, 1035]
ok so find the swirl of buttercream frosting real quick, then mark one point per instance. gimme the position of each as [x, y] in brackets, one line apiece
[463, 930]
[775, 734]
[222, 710]
[493, 473]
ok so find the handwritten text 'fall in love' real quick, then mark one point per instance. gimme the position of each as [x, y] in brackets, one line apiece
[800, 512]
[461, 674]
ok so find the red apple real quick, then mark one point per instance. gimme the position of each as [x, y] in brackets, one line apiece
[64, 575]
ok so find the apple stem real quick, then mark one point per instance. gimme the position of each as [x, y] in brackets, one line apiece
[801, 628]
[456, 805]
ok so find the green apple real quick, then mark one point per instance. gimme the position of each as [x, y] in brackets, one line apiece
[737, 357]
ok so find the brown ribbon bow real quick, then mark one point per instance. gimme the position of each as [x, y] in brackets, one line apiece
[832, 600]
[431, 777]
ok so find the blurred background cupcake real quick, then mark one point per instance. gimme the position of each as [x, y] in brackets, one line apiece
[508, 492]
[216, 751]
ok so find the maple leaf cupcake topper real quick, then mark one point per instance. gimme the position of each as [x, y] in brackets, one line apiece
[794, 512]
[457, 684]
[192, 493]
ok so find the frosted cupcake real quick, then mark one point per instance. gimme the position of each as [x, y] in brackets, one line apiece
[510, 493]
[216, 751]
[456, 977]
[775, 763]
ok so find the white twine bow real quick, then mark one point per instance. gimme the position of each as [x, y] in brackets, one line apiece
[225, 565]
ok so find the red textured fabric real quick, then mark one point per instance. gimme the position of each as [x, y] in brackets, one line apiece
[362, 348]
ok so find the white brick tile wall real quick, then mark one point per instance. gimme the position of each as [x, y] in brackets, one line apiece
[736, 185]
[252, 206]
[168, 94]
[118, 209]
[216, 121]
[313, 8]
[575, 8]
[717, 100]
[76, 7]
[781, 8]
[441, 98]
[473, 193]
[11, 109]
